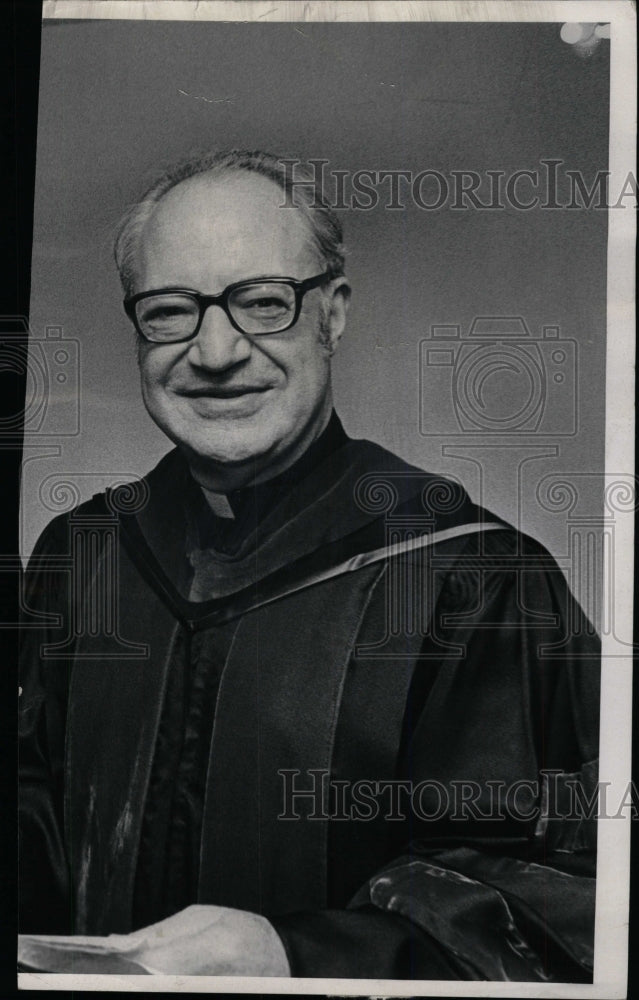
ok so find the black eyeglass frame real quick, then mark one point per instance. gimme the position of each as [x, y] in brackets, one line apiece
[204, 301]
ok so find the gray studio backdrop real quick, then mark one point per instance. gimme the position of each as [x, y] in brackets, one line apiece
[118, 99]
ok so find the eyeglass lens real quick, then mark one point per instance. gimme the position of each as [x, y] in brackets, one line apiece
[256, 308]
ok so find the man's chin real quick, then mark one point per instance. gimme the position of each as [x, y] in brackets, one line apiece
[224, 438]
[228, 450]
[224, 457]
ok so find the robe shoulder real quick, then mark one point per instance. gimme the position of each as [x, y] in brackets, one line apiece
[378, 480]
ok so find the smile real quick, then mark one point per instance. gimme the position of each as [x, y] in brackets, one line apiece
[223, 392]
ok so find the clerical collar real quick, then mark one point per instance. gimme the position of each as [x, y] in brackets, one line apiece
[225, 519]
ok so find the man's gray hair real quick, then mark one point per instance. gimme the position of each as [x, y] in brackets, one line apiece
[301, 190]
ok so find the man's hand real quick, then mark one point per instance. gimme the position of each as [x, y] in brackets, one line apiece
[210, 941]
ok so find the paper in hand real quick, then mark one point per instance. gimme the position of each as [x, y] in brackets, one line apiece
[79, 955]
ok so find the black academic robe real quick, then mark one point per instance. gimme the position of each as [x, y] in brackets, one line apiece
[392, 636]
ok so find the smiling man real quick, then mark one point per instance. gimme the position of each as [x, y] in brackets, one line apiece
[323, 737]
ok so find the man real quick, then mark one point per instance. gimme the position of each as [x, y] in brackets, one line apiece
[358, 691]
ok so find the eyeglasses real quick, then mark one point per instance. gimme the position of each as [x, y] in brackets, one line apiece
[257, 307]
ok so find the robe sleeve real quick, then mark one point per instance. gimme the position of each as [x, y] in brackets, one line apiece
[494, 873]
[43, 867]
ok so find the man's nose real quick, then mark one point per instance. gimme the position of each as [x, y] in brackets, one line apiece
[218, 345]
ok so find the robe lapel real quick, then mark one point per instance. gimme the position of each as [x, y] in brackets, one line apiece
[114, 711]
[277, 710]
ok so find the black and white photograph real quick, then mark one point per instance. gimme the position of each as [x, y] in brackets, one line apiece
[327, 499]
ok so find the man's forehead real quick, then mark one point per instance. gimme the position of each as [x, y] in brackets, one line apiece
[210, 206]
[209, 231]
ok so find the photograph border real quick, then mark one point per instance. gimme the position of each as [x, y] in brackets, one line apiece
[613, 863]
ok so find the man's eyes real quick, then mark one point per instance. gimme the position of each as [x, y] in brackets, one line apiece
[261, 300]
[162, 312]
[264, 302]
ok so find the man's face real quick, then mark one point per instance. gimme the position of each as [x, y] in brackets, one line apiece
[224, 397]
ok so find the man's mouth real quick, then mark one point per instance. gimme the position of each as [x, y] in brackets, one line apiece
[222, 391]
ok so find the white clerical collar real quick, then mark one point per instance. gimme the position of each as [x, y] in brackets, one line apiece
[219, 504]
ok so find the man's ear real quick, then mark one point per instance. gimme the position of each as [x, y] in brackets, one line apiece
[337, 301]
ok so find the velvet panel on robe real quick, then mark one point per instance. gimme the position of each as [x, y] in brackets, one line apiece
[490, 683]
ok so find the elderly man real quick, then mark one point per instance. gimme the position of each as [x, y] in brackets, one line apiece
[335, 729]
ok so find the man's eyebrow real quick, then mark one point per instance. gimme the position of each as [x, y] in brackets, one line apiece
[241, 281]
